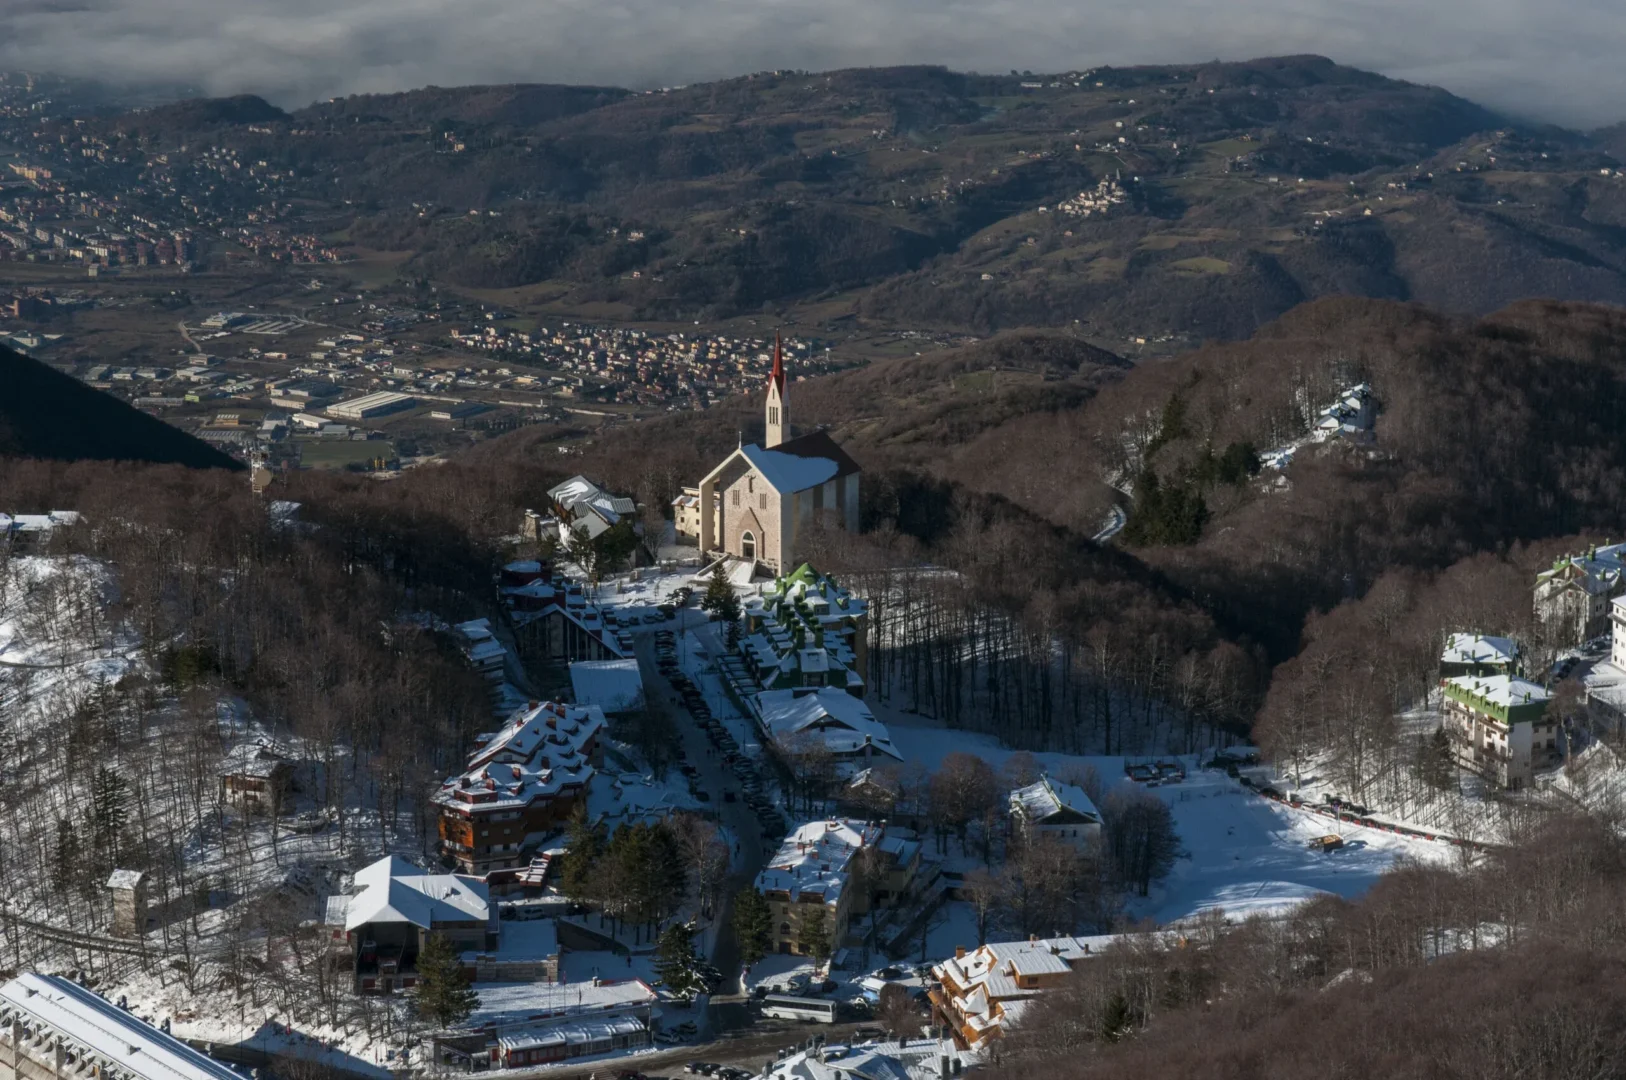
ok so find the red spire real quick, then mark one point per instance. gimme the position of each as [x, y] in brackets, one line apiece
[777, 376]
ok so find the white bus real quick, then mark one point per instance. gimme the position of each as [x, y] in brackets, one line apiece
[817, 1010]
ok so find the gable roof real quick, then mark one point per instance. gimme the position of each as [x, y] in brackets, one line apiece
[1045, 798]
[843, 721]
[394, 890]
[805, 462]
[819, 444]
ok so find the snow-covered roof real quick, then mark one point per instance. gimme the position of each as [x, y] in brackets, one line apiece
[787, 473]
[581, 494]
[843, 722]
[394, 890]
[256, 758]
[812, 860]
[994, 967]
[1501, 690]
[125, 879]
[1045, 798]
[1477, 649]
[1598, 570]
[612, 685]
[910, 1059]
[539, 752]
[522, 940]
[101, 1032]
[504, 1006]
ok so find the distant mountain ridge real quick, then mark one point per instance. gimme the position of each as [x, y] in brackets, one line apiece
[924, 197]
[46, 414]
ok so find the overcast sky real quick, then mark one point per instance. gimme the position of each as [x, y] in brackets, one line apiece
[1558, 60]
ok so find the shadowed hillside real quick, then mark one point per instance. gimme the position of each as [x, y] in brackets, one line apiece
[46, 414]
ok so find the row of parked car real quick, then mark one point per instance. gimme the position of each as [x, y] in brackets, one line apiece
[721, 1072]
[752, 789]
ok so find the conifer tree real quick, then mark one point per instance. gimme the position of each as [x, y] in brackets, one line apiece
[66, 868]
[444, 997]
[813, 935]
[753, 925]
[676, 963]
[109, 810]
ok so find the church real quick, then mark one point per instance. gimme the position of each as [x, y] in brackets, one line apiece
[760, 498]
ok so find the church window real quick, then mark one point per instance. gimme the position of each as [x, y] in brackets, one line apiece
[748, 545]
[764, 501]
[736, 496]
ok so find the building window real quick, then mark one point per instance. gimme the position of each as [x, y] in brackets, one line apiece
[736, 494]
[764, 500]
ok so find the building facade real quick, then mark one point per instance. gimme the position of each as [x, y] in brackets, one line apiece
[763, 497]
[521, 786]
[1049, 809]
[811, 877]
[398, 907]
[979, 991]
[1499, 727]
[1572, 599]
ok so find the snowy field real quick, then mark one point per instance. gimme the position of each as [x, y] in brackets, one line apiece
[1242, 853]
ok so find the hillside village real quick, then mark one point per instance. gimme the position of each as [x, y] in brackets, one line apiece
[693, 784]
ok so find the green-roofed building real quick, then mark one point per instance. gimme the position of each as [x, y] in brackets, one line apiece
[1500, 727]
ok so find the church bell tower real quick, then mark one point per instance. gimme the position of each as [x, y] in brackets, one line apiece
[777, 422]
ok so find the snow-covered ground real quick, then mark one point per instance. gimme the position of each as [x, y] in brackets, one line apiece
[1243, 853]
[55, 646]
[1248, 855]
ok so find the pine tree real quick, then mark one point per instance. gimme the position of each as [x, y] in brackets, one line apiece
[584, 847]
[719, 598]
[444, 997]
[109, 810]
[66, 868]
[753, 925]
[676, 963]
[813, 935]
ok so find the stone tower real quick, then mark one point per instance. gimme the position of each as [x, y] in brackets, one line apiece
[777, 425]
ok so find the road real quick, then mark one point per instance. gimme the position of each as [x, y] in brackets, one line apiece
[715, 779]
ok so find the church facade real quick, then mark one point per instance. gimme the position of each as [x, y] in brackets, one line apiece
[761, 497]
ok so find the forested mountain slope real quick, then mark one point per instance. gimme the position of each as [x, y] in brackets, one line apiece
[1489, 432]
[1225, 194]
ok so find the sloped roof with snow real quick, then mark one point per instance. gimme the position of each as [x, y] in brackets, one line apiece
[1045, 798]
[612, 685]
[843, 722]
[1476, 649]
[1501, 690]
[395, 891]
[541, 751]
[102, 1033]
[813, 859]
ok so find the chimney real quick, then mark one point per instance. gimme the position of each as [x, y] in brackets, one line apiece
[959, 952]
[533, 704]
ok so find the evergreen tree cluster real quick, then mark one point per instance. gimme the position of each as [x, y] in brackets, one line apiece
[77, 865]
[636, 876]
[753, 925]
